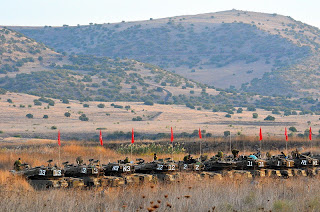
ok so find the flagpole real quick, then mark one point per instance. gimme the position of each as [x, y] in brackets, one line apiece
[59, 156]
[230, 143]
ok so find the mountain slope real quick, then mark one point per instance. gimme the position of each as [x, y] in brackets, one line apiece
[232, 48]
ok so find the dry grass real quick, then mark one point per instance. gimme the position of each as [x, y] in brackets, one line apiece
[188, 194]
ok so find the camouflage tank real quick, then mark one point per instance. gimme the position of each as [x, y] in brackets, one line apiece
[43, 176]
[280, 162]
[220, 162]
[157, 166]
[190, 164]
[118, 169]
[304, 160]
[251, 162]
[88, 173]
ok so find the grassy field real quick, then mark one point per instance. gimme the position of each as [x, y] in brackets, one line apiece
[155, 119]
[189, 194]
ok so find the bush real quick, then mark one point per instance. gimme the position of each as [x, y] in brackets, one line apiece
[67, 114]
[65, 100]
[53, 127]
[9, 100]
[293, 129]
[190, 105]
[226, 133]
[29, 116]
[45, 116]
[101, 105]
[37, 102]
[148, 102]
[83, 117]
[239, 110]
[251, 108]
[228, 115]
[255, 115]
[137, 119]
[270, 118]
[85, 105]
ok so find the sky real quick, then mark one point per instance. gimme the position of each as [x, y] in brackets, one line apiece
[83, 12]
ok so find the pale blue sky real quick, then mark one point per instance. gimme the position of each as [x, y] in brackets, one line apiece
[73, 12]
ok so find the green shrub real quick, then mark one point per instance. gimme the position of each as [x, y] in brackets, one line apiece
[53, 127]
[239, 110]
[83, 117]
[29, 116]
[293, 129]
[45, 116]
[148, 102]
[101, 105]
[270, 118]
[85, 105]
[255, 115]
[67, 114]
[138, 118]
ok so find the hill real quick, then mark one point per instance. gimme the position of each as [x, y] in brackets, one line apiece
[92, 78]
[253, 52]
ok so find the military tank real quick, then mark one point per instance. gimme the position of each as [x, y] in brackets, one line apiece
[119, 168]
[88, 173]
[43, 176]
[281, 161]
[191, 164]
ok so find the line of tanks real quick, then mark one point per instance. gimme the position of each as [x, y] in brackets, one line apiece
[124, 172]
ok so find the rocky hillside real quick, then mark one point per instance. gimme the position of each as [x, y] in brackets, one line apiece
[250, 51]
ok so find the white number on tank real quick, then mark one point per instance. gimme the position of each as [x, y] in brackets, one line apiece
[95, 171]
[315, 162]
[172, 167]
[289, 163]
[84, 170]
[115, 168]
[304, 162]
[126, 168]
[261, 164]
[278, 163]
[56, 172]
[42, 172]
[185, 166]
[197, 167]
[159, 167]
[249, 163]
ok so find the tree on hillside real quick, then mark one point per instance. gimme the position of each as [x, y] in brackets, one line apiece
[29, 116]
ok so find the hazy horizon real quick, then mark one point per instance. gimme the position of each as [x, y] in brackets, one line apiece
[73, 12]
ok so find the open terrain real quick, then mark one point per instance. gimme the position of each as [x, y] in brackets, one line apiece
[154, 119]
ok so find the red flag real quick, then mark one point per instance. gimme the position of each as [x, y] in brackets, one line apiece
[171, 135]
[59, 142]
[286, 134]
[132, 136]
[200, 136]
[260, 134]
[100, 138]
[310, 134]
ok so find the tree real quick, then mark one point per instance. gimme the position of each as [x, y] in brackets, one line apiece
[83, 117]
[85, 105]
[9, 100]
[40, 58]
[45, 116]
[29, 116]
[255, 115]
[148, 102]
[293, 129]
[67, 114]
[239, 110]
[226, 133]
[228, 115]
[270, 118]
[101, 105]
[137, 119]
[37, 102]
[251, 108]
[65, 100]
